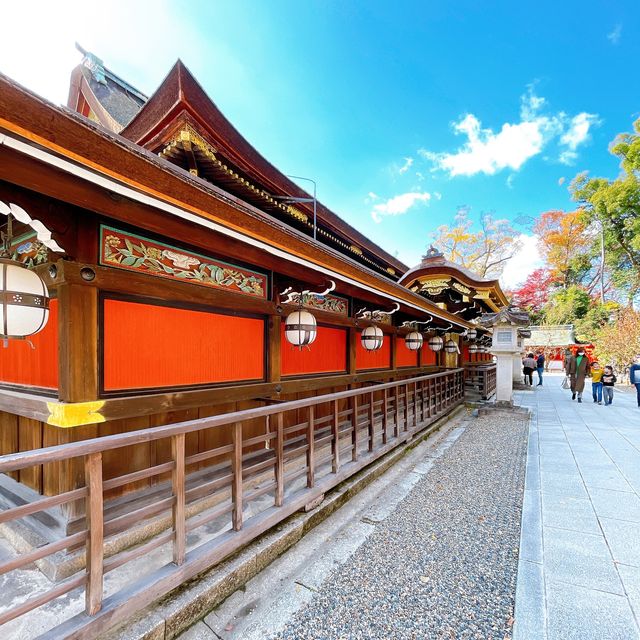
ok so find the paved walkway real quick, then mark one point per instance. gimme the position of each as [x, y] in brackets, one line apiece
[579, 568]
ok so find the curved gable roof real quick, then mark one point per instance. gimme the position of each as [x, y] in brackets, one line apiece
[181, 95]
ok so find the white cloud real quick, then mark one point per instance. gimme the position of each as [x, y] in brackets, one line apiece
[615, 35]
[406, 166]
[575, 135]
[488, 152]
[371, 197]
[399, 205]
[526, 260]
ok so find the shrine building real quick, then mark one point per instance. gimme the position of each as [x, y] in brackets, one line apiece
[236, 340]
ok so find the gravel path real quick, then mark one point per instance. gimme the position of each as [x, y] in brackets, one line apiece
[444, 564]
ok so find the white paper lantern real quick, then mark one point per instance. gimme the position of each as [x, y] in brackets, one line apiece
[471, 334]
[450, 346]
[435, 343]
[300, 328]
[24, 301]
[372, 338]
[413, 340]
[474, 348]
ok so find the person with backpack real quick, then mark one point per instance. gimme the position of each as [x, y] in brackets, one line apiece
[608, 382]
[540, 367]
[634, 375]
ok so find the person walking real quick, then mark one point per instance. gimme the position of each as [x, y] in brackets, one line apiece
[596, 381]
[528, 366]
[608, 382]
[540, 367]
[577, 368]
[634, 375]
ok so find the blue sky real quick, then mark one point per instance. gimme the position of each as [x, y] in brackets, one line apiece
[402, 112]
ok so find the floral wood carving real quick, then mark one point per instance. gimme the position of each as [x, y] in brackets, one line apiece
[134, 253]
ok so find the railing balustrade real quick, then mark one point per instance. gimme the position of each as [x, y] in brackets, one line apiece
[339, 435]
[481, 378]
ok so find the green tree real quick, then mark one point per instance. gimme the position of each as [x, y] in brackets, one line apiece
[615, 204]
[597, 317]
[565, 306]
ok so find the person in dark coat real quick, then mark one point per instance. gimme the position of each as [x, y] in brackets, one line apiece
[578, 368]
[540, 366]
[634, 376]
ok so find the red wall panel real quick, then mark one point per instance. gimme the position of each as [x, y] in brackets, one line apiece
[149, 346]
[466, 356]
[20, 364]
[405, 357]
[327, 354]
[380, 359]
[429, 358]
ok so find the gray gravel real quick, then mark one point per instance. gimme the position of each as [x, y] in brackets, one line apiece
[444, 563]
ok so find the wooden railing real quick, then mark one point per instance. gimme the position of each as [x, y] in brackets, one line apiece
[332, 437]
[481, 379]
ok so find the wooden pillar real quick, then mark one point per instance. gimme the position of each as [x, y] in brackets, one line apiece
[78, 339]
[78, 377]
[353, 337]
[394, 350]
[275, 342]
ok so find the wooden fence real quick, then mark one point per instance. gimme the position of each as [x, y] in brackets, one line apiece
[481, 379]
[333, 437]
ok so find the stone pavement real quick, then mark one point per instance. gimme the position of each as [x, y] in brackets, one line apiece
[579, 567]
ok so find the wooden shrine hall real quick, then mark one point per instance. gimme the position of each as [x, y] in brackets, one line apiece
[213, 349]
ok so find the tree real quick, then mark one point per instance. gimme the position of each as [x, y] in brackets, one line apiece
[617, 343]
[616, 205]
[485, 251]
[565, 245]
[533, 294]
[598, 316]
[565, 306]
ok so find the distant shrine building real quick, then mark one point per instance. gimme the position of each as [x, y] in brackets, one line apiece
[188, 280]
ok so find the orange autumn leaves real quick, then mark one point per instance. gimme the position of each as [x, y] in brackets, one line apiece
[563, 236]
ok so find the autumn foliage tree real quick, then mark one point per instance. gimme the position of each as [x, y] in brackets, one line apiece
[485, 250]
[534, 292]
[617, 343]
[565, 244]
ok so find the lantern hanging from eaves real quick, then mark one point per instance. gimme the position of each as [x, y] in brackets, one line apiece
[24, 299]
[435, 343]
[372, 338]
[450, 346]
[300, 328]
[413, 341]
[474, 348]
[471, 334]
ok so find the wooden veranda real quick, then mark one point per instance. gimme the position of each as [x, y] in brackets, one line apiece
[334, 436]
